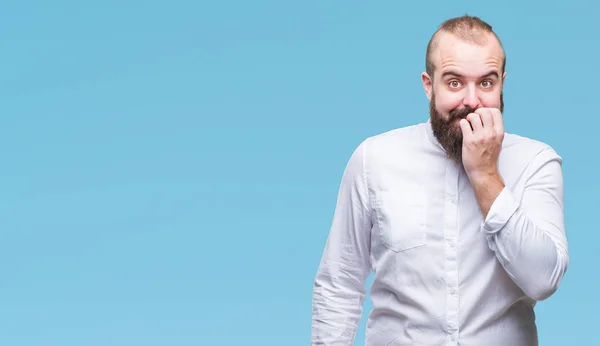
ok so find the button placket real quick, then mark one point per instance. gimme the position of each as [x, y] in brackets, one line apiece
[451, 255]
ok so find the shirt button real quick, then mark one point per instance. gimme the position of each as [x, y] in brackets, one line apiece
[453, 337]
[453, 291]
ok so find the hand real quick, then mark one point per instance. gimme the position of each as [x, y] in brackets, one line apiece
[483, 133]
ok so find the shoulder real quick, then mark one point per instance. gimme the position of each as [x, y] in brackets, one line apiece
[395, 152]
[397, 140]
[523, 158]
[405, 133]
[519, 148]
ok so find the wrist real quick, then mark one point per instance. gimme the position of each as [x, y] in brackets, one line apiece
[483, 176]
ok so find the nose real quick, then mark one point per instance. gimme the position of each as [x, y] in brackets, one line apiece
[471, 98]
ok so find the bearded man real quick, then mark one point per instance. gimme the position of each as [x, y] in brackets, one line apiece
[461, 224]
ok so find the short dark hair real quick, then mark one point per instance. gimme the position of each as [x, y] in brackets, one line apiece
[467, 28]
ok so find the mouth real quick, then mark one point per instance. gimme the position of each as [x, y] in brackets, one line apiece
[462, 113]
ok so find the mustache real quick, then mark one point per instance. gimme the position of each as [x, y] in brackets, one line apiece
[461, 113]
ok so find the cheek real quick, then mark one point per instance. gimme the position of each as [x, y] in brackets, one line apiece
[448, 102]
[491, 100]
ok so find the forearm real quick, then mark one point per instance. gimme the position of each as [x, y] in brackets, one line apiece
[339, 287]
[527, 233]
[487, 187]
[535, 260]
[337, 305]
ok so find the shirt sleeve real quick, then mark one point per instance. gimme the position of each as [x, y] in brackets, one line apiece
[528, 235]
[339, 286]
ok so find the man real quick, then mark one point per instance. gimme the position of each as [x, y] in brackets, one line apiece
[461, 224]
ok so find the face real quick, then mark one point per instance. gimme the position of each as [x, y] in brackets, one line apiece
[467, 76]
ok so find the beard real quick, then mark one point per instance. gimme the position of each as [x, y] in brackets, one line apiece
[447, 129]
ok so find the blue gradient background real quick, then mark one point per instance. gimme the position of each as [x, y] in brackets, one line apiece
[169, 170]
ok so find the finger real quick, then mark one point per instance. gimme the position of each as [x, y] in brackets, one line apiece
[487, 118]
[498, 121]
[475, 121]
[465, 127]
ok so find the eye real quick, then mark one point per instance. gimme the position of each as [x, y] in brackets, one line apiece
[486, 84]
[454, 84]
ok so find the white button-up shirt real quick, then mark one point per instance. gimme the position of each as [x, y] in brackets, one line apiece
[442, 274]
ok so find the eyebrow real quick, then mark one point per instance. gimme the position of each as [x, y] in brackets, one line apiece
[458, 75]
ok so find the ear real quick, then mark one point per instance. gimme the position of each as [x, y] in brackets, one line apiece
[427, 84]
[503, 77]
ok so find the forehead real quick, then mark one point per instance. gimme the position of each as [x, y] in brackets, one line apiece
[470, 58]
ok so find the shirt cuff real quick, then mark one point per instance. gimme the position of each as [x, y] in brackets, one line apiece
[500, 212]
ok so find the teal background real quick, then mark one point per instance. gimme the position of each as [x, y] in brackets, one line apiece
[169, 170]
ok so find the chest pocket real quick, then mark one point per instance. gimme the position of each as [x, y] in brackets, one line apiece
[402, 219]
